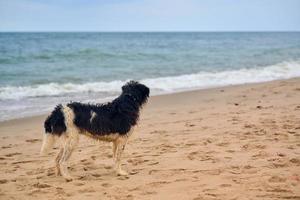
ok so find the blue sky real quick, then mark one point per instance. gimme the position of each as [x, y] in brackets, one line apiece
[149, 15]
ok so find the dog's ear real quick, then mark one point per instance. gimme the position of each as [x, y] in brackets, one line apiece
[129, 84]
[124, 87]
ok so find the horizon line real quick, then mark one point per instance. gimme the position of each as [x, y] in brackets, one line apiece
[144, 31]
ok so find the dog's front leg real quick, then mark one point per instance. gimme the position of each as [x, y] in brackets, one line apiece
[120, 146]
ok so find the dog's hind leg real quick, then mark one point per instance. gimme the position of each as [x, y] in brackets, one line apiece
[71, 142]
[114, 149]
[120, 146]
[57, 159]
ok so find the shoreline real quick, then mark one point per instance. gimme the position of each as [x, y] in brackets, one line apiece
[33, 117]
[234, 142]
[34, 99]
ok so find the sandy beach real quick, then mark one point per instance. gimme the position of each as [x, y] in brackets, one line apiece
[237, 142]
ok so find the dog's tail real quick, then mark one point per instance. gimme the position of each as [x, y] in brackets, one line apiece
[54, 127]
[48, 143]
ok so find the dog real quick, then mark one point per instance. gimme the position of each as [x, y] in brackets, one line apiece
[110, 122]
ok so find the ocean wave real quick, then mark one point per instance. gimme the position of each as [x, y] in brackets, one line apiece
[87, 53]
[162, 84]
[56, 55]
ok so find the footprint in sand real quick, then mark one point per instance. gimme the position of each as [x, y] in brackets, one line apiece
[96, 175]
[181, 179]
[3, 181]
[106, 185]
[225, 185]
[86, 177]
[190, 144]
[211, 195]
[84, 160]
[60, 191]
[166, 148]
[157, 132]
[234, 170]
[278, 163]
[145, 193]
[153, 171]
[252, 146]
[277, 179]
[78, 183]
[137, 161]
[133, 172]
[188, 124]
[90, 167]
[153, 163]
[281, 154]
[36, 191]
[249, 126]
[7, 147]
[24, 161]
[230, 151]
[12, 154]
[202, 156]
[50, 172]
[33, 140]
[295, 161]
[260, 154]
[158, 183]
[214, 172]
[223, 144]
[248, 169]
[93, 157]
[34, 172]
[41, 185]
[192, 155]
[108, 167]
[123, 177]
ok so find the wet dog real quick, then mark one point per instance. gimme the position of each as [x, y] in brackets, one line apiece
[111, 122]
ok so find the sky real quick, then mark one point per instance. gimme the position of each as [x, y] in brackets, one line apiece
[149, 15]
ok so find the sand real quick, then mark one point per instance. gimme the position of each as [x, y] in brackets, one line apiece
[238, 142]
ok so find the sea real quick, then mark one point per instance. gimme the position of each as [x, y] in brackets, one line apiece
[38, 70]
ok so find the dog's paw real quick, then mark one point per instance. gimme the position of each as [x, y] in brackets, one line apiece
[57, 172]
[68, 178]
[122, 173]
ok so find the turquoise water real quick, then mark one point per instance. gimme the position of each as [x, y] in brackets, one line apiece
[39, 70]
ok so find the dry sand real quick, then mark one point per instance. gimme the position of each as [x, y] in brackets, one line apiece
[239, 142]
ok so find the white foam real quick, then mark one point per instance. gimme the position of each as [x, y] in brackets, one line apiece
[201, 80]
[161, 85]
[55, 89]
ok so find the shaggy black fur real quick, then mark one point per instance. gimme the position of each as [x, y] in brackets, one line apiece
[117, 116]
[55, 122]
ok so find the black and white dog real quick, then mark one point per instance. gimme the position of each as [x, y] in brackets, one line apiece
[111, 122]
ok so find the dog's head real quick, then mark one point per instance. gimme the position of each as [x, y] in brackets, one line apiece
[137, 90]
